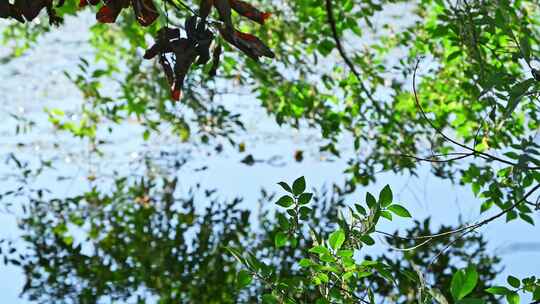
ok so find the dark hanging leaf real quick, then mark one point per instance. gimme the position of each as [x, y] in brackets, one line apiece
[185, 55]
[169, 74]
[247, 10]
[224, 10]
[190, 26]
[31, 8]
[247, 43]
[216, 56]
[536, 74]
[83, 3]
[108, 14]
[8, 10]
[145, 11]
[205, 7]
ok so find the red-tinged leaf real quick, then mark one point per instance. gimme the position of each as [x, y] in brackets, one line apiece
[111, 10]
[107, 15]
[249, 11]
[176, 94]
[145, 11]
[247, 43]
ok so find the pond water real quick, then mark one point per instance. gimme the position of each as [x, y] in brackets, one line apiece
[35, 81]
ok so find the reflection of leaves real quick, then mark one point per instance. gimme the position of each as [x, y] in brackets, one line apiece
[299, 155]
[167, 238]
[248, 160]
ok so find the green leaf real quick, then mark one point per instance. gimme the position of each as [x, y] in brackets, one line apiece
[511, 215]
[536, 293]
[516, 94]
[347, 275]
[336, 239]
[269, 299]
[283, 222]
[471, 301]
[236, 253]
[285, 187]
[323, 277]
[399, 210]
[387, 215]
[325, 47]
[285, 201]
[513, 281]
[280, 239]
[363, 274]
[370, 200]
[305, 263]
[454, 55]
[438, 296]
[319, 250]
[304, 213]
[244, 278]
[305, 198]
[512, 298]
[526, 218]
[346, 253]
[299, 186]
[327, 258]
[463, 282]
[366, 239]
[360, 209]
[386, 196]
[498, 290]
[525, 48]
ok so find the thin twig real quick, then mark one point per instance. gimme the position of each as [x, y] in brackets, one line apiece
[471, 226]
[435, 160]
[332, 22]
[455, 142]
[459, 237]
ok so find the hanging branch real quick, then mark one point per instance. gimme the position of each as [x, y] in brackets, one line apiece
[335, 36]
[467, 228]
[474, 152]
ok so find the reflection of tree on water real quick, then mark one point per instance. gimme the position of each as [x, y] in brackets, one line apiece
[144, 240]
